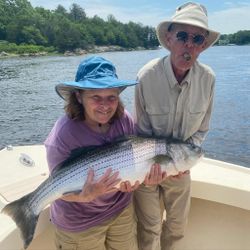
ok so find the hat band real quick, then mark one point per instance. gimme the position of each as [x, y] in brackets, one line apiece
[96, 76]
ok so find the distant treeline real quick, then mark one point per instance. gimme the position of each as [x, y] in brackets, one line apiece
[27, 29]
[62, 29]
[241, 37]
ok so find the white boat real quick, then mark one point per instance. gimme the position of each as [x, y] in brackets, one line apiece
[220, 207]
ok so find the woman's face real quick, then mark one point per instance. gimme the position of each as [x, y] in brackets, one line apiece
[99, 105]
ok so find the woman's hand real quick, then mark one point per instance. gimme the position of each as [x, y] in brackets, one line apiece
[92, 189]
[155, 176]
[126, 187]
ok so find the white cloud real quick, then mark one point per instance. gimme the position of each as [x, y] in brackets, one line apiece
[236, 17]
[227, 21]
[231, 20]
[147, 15]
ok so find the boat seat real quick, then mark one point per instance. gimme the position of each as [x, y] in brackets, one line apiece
[221, 182]
[18, 189]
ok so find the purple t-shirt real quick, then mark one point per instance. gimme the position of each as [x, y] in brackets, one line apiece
[66, 136]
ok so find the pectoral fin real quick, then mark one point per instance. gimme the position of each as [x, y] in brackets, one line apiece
[161, 159]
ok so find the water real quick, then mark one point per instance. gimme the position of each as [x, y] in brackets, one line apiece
[29, 105]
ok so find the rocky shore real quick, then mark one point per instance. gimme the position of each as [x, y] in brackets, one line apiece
[94, 49]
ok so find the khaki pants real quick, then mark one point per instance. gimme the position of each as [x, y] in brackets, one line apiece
[152, 233]
[118, 233]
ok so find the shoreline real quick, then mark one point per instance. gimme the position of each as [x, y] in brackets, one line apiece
[76, 52]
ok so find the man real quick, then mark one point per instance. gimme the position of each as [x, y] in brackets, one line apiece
[174, 99]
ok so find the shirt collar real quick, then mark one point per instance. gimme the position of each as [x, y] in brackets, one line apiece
[170, 74]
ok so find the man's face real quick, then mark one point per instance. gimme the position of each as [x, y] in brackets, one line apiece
[185, 42]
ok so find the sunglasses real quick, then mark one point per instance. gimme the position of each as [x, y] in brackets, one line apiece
[183, 36]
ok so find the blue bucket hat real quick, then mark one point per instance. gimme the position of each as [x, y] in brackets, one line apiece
[94, 72]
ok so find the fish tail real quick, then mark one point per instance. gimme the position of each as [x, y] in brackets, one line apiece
[24, 218]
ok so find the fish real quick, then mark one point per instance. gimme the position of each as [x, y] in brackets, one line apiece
[131, 156]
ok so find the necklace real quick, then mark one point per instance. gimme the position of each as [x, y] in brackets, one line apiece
[97, 126]
[103, 128]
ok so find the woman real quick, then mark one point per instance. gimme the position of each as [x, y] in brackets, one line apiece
[98, 217]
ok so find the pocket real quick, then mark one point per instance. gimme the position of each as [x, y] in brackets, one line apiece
[194, 119]
[159, 118]
[152, 110]
[62, 245]
[196, 112]
[63, 241]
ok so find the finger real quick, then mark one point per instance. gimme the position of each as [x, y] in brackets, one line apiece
[114, 189]
[111, 178]
[176, 176]
[106, 175]
[159, 173]
[151, 176]
[122, 187]
[128, 186]
[155, 175]
[146, 180]
[164, 175]
[152, 170]
[112, 184]
[136, 185]
[90, 176]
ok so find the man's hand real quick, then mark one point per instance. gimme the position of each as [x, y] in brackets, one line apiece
[126, 187]
[155, 176]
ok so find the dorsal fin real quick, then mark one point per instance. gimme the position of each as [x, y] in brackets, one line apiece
[80, 152]
[75, 153]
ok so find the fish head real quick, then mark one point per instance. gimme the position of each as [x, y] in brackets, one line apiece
[185, 155]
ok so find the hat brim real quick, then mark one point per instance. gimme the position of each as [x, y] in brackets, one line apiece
[64, 89]
[162, 30]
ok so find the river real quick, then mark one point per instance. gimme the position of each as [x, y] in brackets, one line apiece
[29, 105]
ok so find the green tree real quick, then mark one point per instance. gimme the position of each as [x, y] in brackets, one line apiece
[67, 35]
[20, 23]
[242, 37]
[77, 13]
[61, 10]
[32, 35]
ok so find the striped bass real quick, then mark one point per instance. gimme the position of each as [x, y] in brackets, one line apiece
[132, 157]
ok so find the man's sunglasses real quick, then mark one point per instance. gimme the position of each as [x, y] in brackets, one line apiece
[183, 36]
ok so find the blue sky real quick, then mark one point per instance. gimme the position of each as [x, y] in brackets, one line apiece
[224, 16]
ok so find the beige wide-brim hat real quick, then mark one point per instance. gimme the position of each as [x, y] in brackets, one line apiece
[192, 14]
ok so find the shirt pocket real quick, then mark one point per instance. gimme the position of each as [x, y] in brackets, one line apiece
[159, 118]
[197, 111]
[195, 118]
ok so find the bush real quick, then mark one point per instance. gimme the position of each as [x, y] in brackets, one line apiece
[12, 48]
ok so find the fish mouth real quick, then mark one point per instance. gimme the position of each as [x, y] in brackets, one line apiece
[187, 56]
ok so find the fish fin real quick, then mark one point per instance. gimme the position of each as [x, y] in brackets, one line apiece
[162, 159]
[24, 217]
[74, 155]
[79, 152]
